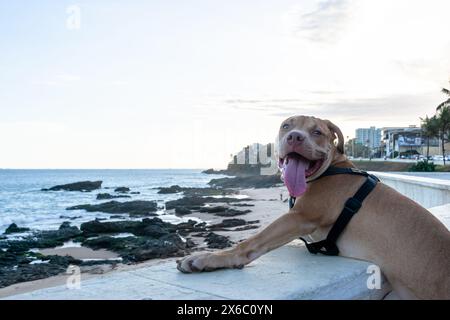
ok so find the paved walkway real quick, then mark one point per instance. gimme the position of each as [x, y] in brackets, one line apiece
[433, 175]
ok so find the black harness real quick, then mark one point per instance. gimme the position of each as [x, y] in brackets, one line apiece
[351, 207]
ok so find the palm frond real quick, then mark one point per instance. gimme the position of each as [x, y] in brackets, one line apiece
[439, 107]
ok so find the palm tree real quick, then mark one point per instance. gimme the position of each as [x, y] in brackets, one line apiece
[430, 130]
[446, 102]
[443, 120]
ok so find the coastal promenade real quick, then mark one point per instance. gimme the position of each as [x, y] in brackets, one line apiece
[289, 272]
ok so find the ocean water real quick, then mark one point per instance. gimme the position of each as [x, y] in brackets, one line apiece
[23, 202]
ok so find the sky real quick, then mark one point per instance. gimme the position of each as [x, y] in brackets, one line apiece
[184, 84]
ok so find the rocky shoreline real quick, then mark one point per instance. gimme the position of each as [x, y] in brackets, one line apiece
[140, 234]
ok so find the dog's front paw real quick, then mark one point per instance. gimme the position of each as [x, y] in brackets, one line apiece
[195, 263]
[208, 262]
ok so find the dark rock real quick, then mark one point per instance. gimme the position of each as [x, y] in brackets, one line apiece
[122, 189]
[195, 191]
[10, 276]
[64, 261]
[10, 259]
[70, 218]
[107, 196]
[190, 243]
[213, 209]
[232, 213]
[216, 241]
[213, 171]
[230, 223]
[135, 249]
[116, 216]
[155, 231]
[153, 238]
[239, 170]
[154, 227]
[134, 208]
[266, 181]
[171, 189]
[200, 234]
[28, 272]
[189, 224]
[64, 225]
[243, 205]
[43, 239]
[85, 186]
[185, 228]
[99, 262]
[186, 202]
[19, 246]
[222, 211]
[193, 202]
[182, 211]
[135, 192]
[54, 238]
[15, 266]
[13, 228]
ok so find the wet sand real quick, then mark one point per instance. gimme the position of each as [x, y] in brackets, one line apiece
[81, 253]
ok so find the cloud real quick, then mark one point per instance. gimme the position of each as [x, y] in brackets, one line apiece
[325, 23]
[68, 77]
[58, 80]
[369, 52]
[119, 83]
[383, 108]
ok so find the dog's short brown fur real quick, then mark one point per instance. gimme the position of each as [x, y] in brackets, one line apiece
[409, 244]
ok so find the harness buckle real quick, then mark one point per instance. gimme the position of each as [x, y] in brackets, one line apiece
[352, 205]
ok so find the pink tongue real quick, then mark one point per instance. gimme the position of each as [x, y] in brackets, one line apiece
[294, 176]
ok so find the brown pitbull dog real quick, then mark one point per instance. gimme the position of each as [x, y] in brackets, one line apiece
[406, 241]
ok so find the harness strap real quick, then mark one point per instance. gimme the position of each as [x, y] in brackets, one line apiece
[331, 171]
[351, 207]
[291, 202]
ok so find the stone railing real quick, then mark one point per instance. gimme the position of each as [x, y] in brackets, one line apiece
[428, 192]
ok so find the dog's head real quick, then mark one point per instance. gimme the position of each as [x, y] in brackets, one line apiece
[306, 148]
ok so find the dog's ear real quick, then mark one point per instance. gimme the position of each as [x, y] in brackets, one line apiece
[336, 131]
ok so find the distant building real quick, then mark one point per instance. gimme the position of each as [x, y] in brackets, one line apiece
[254, 154]
[370, 137]
[400, 140]
[252, 158]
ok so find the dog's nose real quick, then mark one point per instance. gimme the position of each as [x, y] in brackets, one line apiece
[295, 138]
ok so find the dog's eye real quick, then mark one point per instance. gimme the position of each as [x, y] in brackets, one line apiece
[317, 132]
[285, 126]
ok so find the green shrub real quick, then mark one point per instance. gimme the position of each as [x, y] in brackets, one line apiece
[423, 166]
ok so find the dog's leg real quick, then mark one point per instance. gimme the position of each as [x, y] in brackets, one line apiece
[283, 230]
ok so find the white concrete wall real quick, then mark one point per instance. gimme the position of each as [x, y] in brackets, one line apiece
[428, 192]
